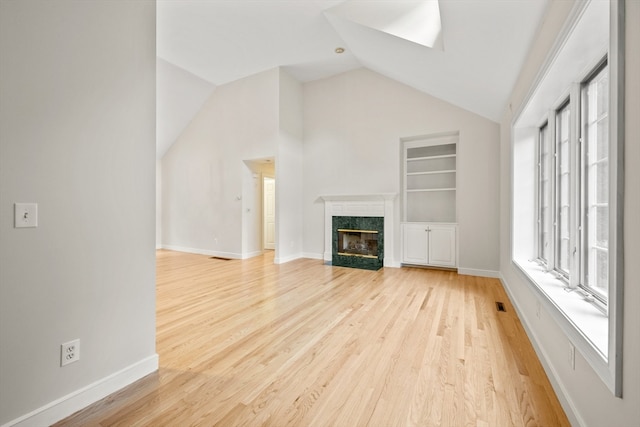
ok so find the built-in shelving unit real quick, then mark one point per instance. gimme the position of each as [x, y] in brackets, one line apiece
[429, 178]
[429, 228]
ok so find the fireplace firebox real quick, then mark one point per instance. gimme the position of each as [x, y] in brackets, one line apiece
[363, 243]
[358, 242]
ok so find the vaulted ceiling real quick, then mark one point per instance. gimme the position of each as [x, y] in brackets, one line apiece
[473, 61]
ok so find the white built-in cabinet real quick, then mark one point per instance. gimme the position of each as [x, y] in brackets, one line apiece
[429, 244]
[429, 229]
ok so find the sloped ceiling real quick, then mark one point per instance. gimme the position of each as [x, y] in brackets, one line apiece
[473, 65]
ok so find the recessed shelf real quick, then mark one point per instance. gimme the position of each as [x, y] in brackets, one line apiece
[421, 190]
[429, 168]
[430, 172]
[414, 159]
[430, 149]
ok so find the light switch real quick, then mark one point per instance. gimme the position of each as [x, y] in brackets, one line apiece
[25, 215]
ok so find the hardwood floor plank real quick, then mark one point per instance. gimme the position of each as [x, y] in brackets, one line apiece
[250, 343]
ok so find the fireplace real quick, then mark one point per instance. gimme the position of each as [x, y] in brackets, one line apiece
[358, 242]
[362, 243]
[379, 208]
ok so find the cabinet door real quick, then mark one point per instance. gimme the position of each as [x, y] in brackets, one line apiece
[442, 245]
[414, 244]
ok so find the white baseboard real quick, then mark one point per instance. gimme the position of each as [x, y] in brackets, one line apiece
[250, 254]
[208, 252]
[567, 404]
[392, 263]
[79, 399]
[479, 273]
[282, 260]
[231, 255]
[312, 255]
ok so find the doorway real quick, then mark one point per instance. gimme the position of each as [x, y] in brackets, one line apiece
[269, 212]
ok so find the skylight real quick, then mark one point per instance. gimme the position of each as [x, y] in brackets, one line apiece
[415, 21]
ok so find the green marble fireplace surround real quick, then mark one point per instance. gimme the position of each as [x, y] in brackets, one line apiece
[353, 260]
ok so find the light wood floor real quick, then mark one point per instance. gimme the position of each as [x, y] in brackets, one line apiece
[249, 343]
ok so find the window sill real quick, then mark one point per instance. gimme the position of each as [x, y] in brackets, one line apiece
[585, 317]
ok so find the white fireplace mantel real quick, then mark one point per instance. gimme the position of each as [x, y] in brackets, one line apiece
[370, 205]
[360, 197]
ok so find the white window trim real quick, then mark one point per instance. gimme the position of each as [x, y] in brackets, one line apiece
[540, 215]
[565, 308]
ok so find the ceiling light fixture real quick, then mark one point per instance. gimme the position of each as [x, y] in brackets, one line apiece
[339, 50]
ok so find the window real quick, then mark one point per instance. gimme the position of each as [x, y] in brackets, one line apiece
[562, 190]
[567, 192]
[590, 193]
[544, 196]
[595, 184]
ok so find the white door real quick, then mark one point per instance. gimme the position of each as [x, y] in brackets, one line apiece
[269, 209]
[414, 243]
[442, 245]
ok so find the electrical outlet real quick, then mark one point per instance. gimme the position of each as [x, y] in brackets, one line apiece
[69, 352]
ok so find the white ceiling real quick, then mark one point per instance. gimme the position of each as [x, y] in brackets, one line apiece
[484, 44]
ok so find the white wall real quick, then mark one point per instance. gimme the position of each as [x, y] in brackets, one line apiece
[586, 398]
[289, 175]
[333, 136]
[353, 123]
[204, 177]
[158, 204]
[180, 96]
[77, 136]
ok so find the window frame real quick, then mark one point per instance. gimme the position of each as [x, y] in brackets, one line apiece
[545, 199]
[601, 298]
[562, 124]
